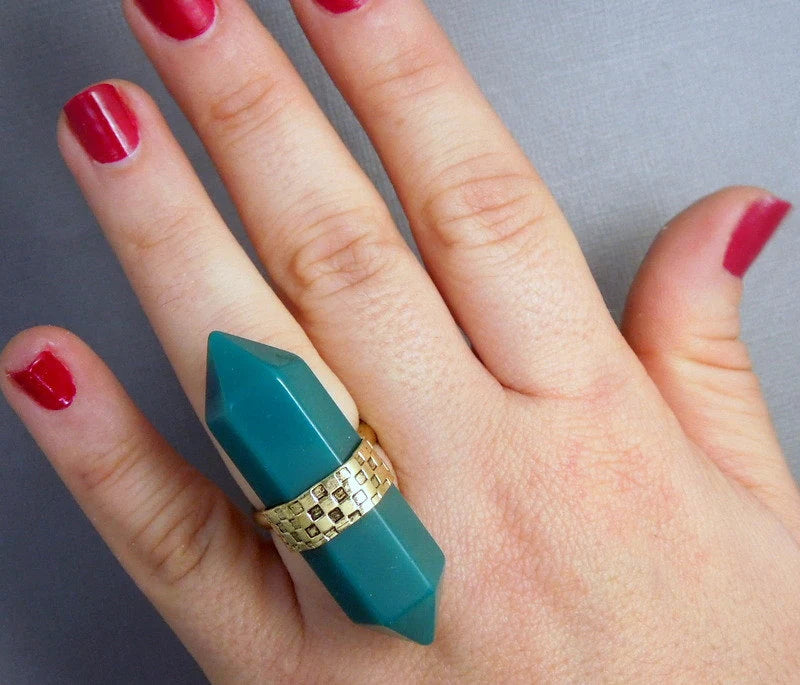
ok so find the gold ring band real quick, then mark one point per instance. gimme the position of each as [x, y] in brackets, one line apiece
[333, 504]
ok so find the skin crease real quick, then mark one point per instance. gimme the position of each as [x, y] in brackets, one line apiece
[630, 516]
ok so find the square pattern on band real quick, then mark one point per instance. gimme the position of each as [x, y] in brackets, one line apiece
[327, 508]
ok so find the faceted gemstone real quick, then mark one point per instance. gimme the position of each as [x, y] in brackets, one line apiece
[284, 432]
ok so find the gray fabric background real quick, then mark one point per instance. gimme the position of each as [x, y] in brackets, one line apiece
[631, 111]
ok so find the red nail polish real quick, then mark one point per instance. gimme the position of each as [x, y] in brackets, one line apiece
[103, 123]
[47, 381]
[341, 6]
[180, 19]
[754, 230]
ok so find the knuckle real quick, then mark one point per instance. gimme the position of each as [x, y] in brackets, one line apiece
[160, 232]
[161, 242]
[238, 112]
[723, 353]
[473, 206]
[181, 528]
[609, 387]
[340, 252]
[720, 368]
[405, 75]
[107, 468]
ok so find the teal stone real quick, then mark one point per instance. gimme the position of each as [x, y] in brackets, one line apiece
[274, 419]
[283, 431]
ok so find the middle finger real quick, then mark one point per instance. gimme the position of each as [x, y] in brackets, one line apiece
[317, 222]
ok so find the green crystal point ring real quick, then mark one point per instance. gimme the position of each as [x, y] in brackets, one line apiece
[327, 492]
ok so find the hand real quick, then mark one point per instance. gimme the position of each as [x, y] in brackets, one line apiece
[613, 506]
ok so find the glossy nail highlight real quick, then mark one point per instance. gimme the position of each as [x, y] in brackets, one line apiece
[179, 19]
[755, 228]
[103, 123]
[341, 6]
[47, 381]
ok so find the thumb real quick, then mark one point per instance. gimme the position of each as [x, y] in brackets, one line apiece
[682, 319]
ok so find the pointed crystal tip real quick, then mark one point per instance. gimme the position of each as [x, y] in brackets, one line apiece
[418, 624]
[273, 417]
[385, 571]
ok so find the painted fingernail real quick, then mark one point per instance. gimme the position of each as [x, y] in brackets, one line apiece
[180, 19]
[341, 6]
[47, 381]
[103, 123]
[754, 230]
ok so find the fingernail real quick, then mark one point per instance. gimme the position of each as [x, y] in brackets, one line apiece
[754, 230]
[47, 381]
[341, 6]
[103, 123]
[180, 19]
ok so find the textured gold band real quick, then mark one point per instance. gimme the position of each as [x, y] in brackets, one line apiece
[333, 504]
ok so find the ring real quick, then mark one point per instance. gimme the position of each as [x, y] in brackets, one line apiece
[333, 504]
[326, 492]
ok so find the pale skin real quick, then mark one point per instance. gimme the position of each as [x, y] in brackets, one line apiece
[631, 516]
